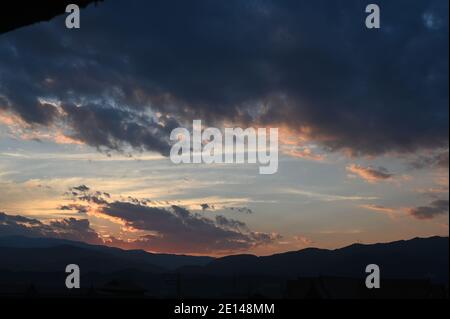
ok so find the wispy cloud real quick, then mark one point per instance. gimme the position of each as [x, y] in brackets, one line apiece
[370, 174]
[391, 212]
[326, 197]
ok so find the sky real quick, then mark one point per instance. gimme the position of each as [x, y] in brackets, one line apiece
[86, 115]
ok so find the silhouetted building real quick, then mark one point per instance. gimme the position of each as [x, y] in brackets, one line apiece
[31, 292]
[121, 288]
[355, 288]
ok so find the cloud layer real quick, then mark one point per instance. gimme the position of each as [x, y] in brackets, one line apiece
[134, 70]
[171, 230]
[70, 228]
[434, 209]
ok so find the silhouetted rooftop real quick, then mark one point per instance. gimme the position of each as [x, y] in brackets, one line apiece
[22, 13]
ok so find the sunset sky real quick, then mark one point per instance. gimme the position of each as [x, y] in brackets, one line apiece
[85, 119]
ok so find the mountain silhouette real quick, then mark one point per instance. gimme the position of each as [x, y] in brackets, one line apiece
[42, 261]
[419, 258]
[141, 257]
[57, 258]
[415, 258]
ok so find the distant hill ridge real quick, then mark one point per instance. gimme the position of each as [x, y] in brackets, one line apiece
[167, 261]
[422, 258]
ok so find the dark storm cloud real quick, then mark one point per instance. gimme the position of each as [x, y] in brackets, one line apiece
[70, 228]
[180, 231]
[80, 209]
[436, 208]
[230, 223]
[174, 229]
[310, 63]
[81, 188]
[75, 229]
[111, 128]
[244, 210]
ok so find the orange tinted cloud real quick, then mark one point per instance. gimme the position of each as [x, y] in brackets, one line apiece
[21, 130]
[55, 137]
[370, 174]
[391, 212]
[6, 119]
[304, 240]
[297, 143]
[11, 121]
[379, 208]
[304, 153]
